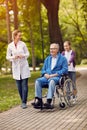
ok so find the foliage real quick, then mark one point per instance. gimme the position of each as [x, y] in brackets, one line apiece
[26, 20]
[73, 24]
[3, 54]
[84, 62]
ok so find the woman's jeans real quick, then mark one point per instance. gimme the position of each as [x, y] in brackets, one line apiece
[23, 89]
[72, 76]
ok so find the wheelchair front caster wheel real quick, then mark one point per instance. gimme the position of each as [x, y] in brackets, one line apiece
[62, 105]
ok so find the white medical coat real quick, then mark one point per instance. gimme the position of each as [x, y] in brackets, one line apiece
[20, 67]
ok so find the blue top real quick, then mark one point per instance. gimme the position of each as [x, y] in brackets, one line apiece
[60, 68]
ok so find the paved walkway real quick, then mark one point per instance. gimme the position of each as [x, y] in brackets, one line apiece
[72, 118]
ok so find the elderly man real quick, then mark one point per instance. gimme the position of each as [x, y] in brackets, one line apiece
[54, 66]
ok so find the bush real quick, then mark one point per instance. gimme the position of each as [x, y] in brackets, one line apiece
[41, 65]
[84, 62]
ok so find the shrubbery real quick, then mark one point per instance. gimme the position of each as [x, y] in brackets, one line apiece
[84, 62]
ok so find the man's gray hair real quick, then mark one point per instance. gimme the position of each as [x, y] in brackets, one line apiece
[56, 44]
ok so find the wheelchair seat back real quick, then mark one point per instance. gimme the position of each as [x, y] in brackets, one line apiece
[62, 80]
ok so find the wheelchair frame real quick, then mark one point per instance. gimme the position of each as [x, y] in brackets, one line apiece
[65, 92]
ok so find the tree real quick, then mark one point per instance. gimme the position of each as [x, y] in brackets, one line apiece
[52, 7]
[84, 11]
[8, 21]
[74, 19]
[41, 30]
[27, 10]
[15, 10]
[11, 5]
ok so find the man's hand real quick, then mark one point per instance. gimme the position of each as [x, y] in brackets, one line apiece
[47, 76]
[50, 76]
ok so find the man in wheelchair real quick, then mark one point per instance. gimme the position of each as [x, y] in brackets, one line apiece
[54, 67]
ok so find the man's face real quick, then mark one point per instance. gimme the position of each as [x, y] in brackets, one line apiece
[54, 50]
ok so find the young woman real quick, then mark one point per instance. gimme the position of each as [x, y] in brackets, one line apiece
[17, 53]
[70, 56]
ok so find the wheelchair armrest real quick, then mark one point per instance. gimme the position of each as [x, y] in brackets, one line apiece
[64, 75]
[62, 79]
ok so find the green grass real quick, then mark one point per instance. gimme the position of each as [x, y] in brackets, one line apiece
[9, 96]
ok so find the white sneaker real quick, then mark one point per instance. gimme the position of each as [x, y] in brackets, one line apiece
[75, 100]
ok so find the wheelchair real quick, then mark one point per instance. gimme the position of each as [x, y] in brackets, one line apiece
[64, 92]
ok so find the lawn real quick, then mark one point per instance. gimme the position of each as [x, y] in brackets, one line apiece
[9, 96]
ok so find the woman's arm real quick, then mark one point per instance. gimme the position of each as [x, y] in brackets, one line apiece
[9, 55]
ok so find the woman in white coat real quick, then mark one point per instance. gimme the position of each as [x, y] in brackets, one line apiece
[17, 53]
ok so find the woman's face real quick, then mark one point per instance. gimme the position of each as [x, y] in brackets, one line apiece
[67, 47]
[18, 36]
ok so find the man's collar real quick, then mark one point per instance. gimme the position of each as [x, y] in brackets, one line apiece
[54, 56]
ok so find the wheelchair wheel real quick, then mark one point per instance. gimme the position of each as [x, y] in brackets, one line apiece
[68, 91]
[62, 105]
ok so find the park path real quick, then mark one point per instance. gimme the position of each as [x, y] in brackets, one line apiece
[72, 118]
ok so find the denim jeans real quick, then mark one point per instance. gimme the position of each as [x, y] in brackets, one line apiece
[72, 76]
[22, 86]
[39, 84]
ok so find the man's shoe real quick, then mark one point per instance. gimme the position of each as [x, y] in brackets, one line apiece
[23, 106]
[38, 104]
[48, 106]
[33, 103]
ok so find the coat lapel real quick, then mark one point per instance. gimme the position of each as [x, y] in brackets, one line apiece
[50, 60]
[58, 57]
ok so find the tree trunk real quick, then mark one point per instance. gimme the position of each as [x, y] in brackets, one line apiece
[8, 21]
[15, 10]
[53, 20]
[41, 30]
[32, 47]
[27, 19]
